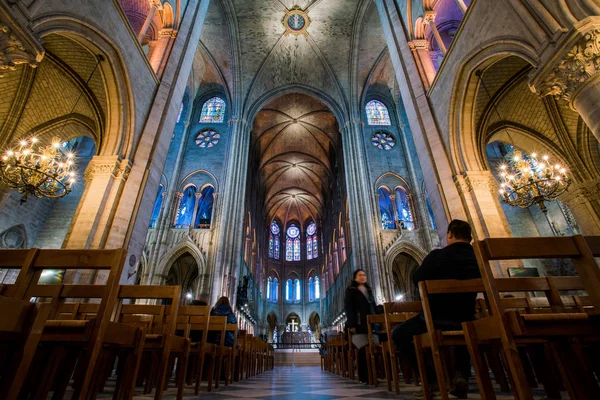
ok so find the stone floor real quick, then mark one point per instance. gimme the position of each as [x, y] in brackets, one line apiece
[303, 383]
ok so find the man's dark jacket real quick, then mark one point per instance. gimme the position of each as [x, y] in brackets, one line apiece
[456, 261]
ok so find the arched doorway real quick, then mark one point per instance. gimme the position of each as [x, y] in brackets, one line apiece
[403, 268]
[314, 324]
[184, 272]
[272, 327]
[292, 323]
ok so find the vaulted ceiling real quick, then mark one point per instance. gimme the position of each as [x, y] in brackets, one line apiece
[294, 137]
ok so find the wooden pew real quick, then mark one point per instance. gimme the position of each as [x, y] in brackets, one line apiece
[159, 322]
[508, 327]
[395, 313]
[375, 350]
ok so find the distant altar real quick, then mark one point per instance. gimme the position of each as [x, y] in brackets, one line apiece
[291, 338]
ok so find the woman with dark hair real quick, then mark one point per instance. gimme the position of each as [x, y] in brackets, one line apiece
[222, 308]
[358, 303]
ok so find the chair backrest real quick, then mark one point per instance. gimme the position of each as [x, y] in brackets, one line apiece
[15, 259]
[234, 329]
[193, 319]
[218, 324]
[158, 319]
[396, 312]
[576, 248]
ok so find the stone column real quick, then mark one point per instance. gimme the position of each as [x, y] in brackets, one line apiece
[361, 205]
[132, 217]
[572, 73]
[195, 214]
[583, 199]
[420, 50]
[154, 5]
[429, 18]
[396, 216]
[227, 258]
[435, 163]
[479, 193]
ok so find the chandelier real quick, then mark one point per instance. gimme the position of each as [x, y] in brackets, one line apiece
[42, 171]
[527, 180]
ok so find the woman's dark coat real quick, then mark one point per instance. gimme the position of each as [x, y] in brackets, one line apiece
[357, 307]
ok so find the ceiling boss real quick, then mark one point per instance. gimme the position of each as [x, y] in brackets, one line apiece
[296, 21]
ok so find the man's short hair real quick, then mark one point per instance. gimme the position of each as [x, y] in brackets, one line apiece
[460, 230]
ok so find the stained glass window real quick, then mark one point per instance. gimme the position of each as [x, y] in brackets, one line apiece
[309, 248]
[205, 208]
[383, 140]
[315, 247]
[276, 248]
[207, 139]
[157, 206]
[292, 243]
[274, 241]
[311, 290]
[213, 111]
[186, 208]
[317, 288]
[377, 113]
[269, 288]
[275, 294]
[288, 290]
[297, 249]
[386, 209]
[403, 209]
[289, 252]
[271, 246]
[429, 208]
[312, 246]
[297, 291]
[180, 112]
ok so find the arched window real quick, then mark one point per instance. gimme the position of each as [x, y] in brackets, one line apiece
[312, 243]
[205, 208]
[288, 291]
[297, 291]
[274, 241]
[403, 209]
[317, 288]
[377, 113]
[275, 287]
[213, 111]
[311, 290]
[157, 206]
[386, 209]
[269, 283]
[292, 243]
[185, 211]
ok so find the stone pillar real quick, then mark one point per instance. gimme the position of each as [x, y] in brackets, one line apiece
[583, 199]
[154, 5]
[572, 73]
[195, 214]
[226, 260]
[132, 217]
[479, 193]
[429, 18]
[462, 5]
[361, 205]
[420, 50]
[435, 163]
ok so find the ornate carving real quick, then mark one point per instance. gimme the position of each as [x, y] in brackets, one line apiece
[418, 44]
[99, 168]
[13, 52]
[429, 16]
[169, 33]
[581, 194]
[575, 68]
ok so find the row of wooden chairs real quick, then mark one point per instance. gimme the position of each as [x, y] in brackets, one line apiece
[53, 333]
[522, 339]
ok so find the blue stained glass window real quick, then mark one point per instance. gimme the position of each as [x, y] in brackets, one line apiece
[377, 113]
[269, 283]
[297, 249]
[185, 211]
[289, 254]
[312, 245]
[386, 209]
[276, 248]
[309, 248]
[271, 245]
[274, 241]
[288, 290]
[275, 294]
[429, 208]
[157, 206]
[213, 111]
[297, 291]
[317, 288]
[205, 208]
[311, 290]
[403, 209]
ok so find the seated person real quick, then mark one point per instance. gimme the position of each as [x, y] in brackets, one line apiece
[222, 309]
[455, 261]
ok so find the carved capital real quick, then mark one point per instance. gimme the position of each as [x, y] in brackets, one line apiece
[429, 16]
[573, 71]
[418, 44]
[18, 45]
[98, 168]
[167, 33]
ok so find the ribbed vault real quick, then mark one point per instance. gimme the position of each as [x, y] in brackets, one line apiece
[295, 136]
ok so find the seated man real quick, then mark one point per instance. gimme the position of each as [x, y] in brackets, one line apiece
[455, 261]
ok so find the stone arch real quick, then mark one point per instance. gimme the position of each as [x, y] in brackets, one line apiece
[201, 179]
[186, 246]
[118, 136]
[464, 150]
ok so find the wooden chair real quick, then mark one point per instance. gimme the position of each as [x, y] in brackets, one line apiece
[511, 327]
[375, 351]
[215, 353]
[229, 355]
[160, 322]
[21, 326]
[394, 314]
[87, 337]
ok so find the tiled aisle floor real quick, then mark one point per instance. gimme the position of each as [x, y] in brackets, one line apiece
[302, 383]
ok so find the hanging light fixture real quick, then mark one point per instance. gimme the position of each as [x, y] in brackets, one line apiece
[527, 179]
[43, 171]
